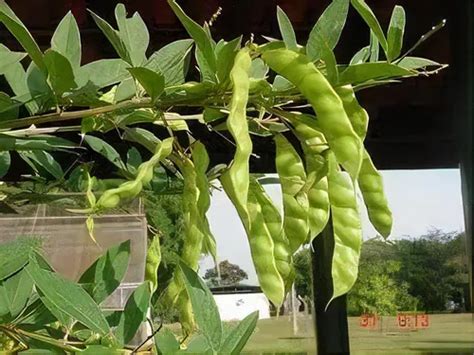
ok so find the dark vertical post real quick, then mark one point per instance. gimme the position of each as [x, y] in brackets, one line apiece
[332, 331]
[461, 36]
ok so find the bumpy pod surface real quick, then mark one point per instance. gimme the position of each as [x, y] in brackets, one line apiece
[273, 221]
[332, 118]
[346, 227]
[292, 175]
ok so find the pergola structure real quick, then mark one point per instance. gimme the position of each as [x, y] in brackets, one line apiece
[422, 123]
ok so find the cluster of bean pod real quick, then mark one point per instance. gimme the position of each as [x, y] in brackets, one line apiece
[320, 188]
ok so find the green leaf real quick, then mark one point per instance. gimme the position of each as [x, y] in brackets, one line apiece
[8, 107]
[67, 40]
[328, 29]
[14, 255]
[395, 33]
[113, 36]
[225, 58]
[166, 342]
[200, 36]
[368, 71]
[143, 137]
[39, 89]
[102, 73]
[198, 345]
[134, 34]
[21, 33]
[152, 82]
[45, 161]
[329, 59]
[7, 58]
[106, 273]
[374, 48]
[286, 30]
[361, 56]
[134, 314]
[204, 307]
[207, 73]
[258, 69]
[416, 63]
[5, 161]
[18, 289]
[42, 142]
[60, 73]
[366, 13]
[134, 159]
[106, 150]
[172, 61]
[69, 298]
[238, 337]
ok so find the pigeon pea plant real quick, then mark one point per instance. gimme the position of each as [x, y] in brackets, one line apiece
[298, 94]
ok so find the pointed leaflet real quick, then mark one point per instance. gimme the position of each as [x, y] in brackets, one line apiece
[204, 307]
[15, 254]
[225, 58]
[360, 73]
[106, 150]
[102, 73]
[134, 314]
[7, 58]
[134, 34]
[366, 13]
[286, 30]
[21, 33]
[347, 229]
[44, 160]
[200, 36]
[18, 289]
[328, 29]
[60, 72]
[67, 40]
[417, 63]
[152, 82]
[238, 337]
[113, 36]
[395, 33]
[172, 61]
[69, 298]
[106, 273]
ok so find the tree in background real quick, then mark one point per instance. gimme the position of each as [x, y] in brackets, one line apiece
[435, 267]
[230, 274]
[428, 273]
[303, 277]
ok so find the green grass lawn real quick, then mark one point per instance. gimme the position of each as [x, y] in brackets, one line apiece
[452, 333]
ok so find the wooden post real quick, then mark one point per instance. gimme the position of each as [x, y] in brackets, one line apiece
[332, 331]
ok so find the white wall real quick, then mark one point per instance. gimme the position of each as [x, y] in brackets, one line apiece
[238, 306]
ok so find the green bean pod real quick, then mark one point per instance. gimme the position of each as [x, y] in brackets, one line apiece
[346, 229]
[237, 176]
[357, 114]
[332, 117]
[131, 189]
[153, 260]
[371, 186]
[314, 144]
[273, 221]
[370, 180]
[261, 246]
[292, 175]
[201, 162]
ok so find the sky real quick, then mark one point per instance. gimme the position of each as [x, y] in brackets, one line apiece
[420, 200]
